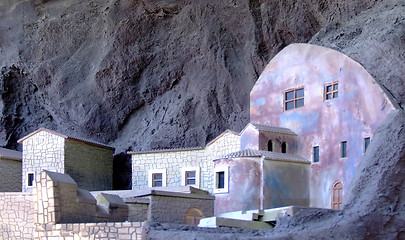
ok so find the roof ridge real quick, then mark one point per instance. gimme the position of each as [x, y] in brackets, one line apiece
[248, 152]
[65, 137]
[165, 150]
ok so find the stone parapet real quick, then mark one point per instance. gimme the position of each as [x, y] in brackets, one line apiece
[84, 231]
[59, 200]
[16, 216]
[172, 207]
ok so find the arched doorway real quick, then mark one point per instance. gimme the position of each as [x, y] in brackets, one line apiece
[337, 194]
[193, 216]
[270, 146]
[284, 147]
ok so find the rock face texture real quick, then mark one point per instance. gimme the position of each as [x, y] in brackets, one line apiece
[157, 74]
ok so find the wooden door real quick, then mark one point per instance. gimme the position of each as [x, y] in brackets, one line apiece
[193, 216]
[337, 194]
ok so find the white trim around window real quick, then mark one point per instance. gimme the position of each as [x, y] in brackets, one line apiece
[157, 171]
[221, 179]
[184, 171]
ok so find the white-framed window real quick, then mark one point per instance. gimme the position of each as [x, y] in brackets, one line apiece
[30, 179]
[190, 176]
[221, 179]
[157, 178]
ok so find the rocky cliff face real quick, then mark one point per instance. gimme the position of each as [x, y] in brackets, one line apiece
[156, 74]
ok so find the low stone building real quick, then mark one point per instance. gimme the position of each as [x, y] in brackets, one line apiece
[59, 209]
[10, 170]
[182, 167]
[89, 163]
[181, 205]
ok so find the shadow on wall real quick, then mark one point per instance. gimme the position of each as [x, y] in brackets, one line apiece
[122, 172]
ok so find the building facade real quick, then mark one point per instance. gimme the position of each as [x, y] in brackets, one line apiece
[90, 164]
[10, 170]
[328, 107]
[182, 167]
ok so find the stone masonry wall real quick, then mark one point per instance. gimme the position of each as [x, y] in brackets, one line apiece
[85, 231]
[58, 200]
[228, 143]
[171, 161]
[173, 209]
[16, 216]
[10, 175]
[174, 161]
[42, 151]
[90, 166]
[138, 212]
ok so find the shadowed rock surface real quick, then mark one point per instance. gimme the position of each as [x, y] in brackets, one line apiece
[152, 74]
[146, 74]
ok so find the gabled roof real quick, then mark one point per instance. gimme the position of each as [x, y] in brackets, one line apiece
[267, 155]
[166, 150]
[265, 128]
[221, 135]
[10, 154]
[65, 137]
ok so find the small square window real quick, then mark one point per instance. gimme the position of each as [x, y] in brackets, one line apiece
[157, 180]
[190, 178]
[294, 98]
[221, 179]
[343, 149]
[30, 179]
[331, 91]
[316, 154]
[366, 143]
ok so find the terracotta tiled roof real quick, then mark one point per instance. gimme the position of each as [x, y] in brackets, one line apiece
[267, 155]
[10, 154]
[274, 129]
[266, 128]
[166, 150]
[66, 137]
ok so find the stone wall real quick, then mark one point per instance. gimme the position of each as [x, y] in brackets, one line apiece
[174, 161]
[166, 208]
[59, 200]
[225, 143]
[111, 230]
[10, 175]
[90, 166]
[42, 150]
[16, 216]
[138, 211]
